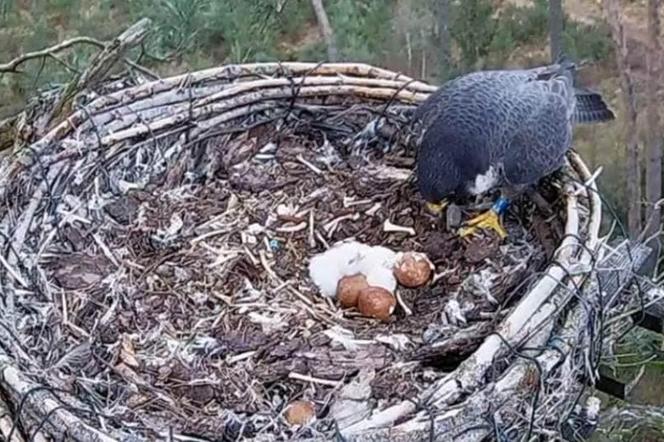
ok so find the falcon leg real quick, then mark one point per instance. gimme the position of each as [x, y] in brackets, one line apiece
[488, 220]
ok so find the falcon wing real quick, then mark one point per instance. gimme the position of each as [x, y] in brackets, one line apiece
[542, 130]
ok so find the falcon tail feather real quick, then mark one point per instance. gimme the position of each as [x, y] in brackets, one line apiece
[591, 107]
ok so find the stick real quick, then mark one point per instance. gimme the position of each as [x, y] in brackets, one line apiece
[16, 62]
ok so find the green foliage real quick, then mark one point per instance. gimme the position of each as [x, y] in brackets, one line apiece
[231, 30]
[178, 22]
[639, 353]
[313, 51]
[253, 30]
[526, 24]
[473, 28]
[518, 26]
[486, 36]
[197, 33]
[6, 7]
[361, 27]
[99, 19]
[586, 42]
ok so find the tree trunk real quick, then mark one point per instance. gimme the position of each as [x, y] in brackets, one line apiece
[326, 29]
[556, 18]
[654, 149]
[632, 171]
[441, 10]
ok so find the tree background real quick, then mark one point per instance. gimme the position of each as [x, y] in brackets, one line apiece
[429, 39]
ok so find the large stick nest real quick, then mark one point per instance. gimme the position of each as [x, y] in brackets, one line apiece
[155, 249]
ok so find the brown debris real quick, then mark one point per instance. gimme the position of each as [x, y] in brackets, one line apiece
[481, 248]
[79, 270]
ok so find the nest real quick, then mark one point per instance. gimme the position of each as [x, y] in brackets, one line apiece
[155, 248]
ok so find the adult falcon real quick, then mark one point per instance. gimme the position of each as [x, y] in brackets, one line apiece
[502, 129]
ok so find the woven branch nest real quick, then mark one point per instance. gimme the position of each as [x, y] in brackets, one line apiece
[155, 248]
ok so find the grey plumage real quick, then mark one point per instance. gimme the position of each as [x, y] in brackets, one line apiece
[504, 128]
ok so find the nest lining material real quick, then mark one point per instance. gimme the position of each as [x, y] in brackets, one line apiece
[156, 247]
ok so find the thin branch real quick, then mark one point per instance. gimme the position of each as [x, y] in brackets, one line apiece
[100, 65]
[48, 52]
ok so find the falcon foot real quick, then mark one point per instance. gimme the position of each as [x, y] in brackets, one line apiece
[436, 208]
[487, 220]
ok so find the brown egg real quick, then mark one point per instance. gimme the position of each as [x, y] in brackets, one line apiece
[376, 302]
[300, 413]
[349, 288]
[413, 269]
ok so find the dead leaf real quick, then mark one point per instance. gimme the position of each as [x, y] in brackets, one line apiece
[127, 353]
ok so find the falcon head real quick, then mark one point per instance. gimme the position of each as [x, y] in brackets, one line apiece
[450, 166]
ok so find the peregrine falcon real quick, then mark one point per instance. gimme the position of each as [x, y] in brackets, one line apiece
[503, 129]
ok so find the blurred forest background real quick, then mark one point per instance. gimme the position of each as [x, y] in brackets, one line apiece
[429, 39]
[617, 40]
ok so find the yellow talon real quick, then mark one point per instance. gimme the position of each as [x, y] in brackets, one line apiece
[486, 220]
[437, 208]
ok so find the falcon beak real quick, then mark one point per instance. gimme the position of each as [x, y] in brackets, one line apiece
[436, 209]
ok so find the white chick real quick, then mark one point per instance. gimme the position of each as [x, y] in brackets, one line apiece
[377, 265]
[327, 268]
[350, 258]
[381, 277]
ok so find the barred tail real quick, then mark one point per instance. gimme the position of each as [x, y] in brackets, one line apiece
[591, 107]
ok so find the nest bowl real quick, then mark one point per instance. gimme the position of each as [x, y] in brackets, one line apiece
[155, 248]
